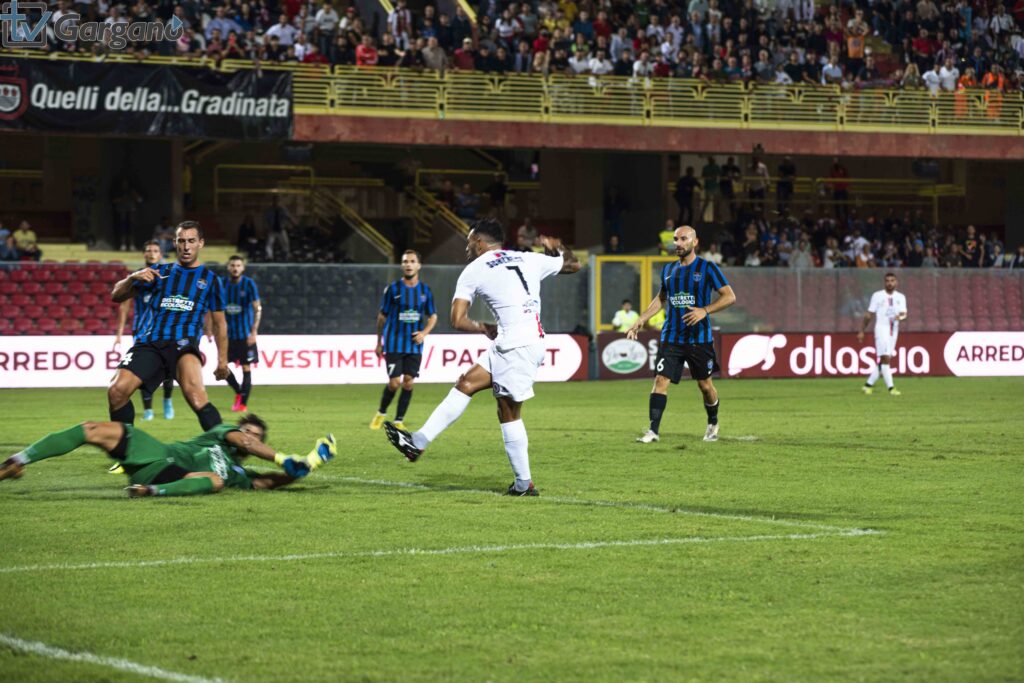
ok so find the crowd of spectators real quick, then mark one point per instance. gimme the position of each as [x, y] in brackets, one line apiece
[896, 240]
[19, 245]
[935, 44]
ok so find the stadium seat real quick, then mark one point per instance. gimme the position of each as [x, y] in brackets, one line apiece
[77, 287]
[31, 287]
[23, 325]
[53, 287]
[105, 312]
[70, 325]
[46, 325]
[5, 325]
[64, 275]
[34, 312]
[44, 299]
[21, 300]
[20, 275]
[100, 289]
[67, 299]
[56, 312]
[94, 325]
[9, 288]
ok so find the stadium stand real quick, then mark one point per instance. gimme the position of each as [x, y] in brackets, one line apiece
[924, 46]
[53, 298]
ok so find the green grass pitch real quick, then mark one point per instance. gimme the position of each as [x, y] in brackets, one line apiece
[678, 561]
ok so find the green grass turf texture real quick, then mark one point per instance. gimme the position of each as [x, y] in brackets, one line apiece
[938, 596]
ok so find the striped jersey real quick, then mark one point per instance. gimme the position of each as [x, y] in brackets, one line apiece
[144, 309]
[405, 310]
[686, 287]
[238, 299]
[181, 300]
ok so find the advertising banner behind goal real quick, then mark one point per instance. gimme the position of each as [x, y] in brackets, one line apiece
[83, 361]
[963, 354]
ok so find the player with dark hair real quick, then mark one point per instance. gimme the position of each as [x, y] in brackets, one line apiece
[204, 464]
[887, 308]
[406, 316]
[243, 311]
[509, 282]
[144, 309]
[686, 288]
[183, 292]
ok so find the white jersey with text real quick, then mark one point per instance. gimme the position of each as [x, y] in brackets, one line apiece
[509, 282]
[887, 309]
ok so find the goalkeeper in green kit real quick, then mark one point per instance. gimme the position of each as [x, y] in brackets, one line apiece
[204, 464]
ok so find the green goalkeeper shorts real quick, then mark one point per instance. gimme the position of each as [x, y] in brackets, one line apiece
[148, 461]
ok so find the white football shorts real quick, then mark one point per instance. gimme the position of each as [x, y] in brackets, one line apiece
[514, 371]
[885, 343]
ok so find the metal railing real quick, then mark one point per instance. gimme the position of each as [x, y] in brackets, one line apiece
[665, 102]
[326, 206]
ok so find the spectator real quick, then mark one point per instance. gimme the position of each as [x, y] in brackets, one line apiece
[25, 242]
[864, 258]
[832, 73]
[366, 53]
[933, 80]
[758, 185]
[685, 186]
[285, 32]
[625, 317]
[400, 25]
[276, 221]
[526, 236]
[1017, 261]
[710, 175]
[467, 203]
[801, 256]
[223, 24]
[666, 239]
[929, 260]
[327, 21]
[995, 258]
[465, 57]
[970, 250]
[164, 234]
[948, 76]
[912, 78]
[434, 57]
[730, 175]
[8, 250]
[522, 62]
[915, 259]
[712, 254]
[247, 242]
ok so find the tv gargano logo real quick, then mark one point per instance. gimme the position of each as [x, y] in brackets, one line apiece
[24, 24]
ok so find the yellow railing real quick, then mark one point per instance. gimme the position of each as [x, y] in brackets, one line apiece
[428, 209]
[645, 267]
[406, 93]
[328, 205]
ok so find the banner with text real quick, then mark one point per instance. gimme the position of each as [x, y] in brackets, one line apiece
[143, 99]
[283, 359]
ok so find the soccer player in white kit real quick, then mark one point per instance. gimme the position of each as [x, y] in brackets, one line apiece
[509, 282]
[888, 308]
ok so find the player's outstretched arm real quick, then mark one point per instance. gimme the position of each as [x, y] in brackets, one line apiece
[554, 247]
[657, 303]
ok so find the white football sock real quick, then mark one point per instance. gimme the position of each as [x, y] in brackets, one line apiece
[887, 375]
[447, 412]
[517, 447]
[873, 377]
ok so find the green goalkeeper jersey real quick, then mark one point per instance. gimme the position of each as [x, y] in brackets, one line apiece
[209, 452]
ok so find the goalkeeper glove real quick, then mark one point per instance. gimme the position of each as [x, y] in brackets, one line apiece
[324, 451]
[292, 466]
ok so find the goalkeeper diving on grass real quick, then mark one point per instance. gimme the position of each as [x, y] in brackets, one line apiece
[204, 464]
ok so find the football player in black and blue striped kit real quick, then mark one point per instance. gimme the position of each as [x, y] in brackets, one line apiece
[243, 312]
[686, 292]
[169, 344]
[144, 308]
[406, 316]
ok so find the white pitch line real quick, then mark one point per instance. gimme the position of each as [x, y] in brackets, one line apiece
[44, 650]
[455, 550]
[600, 503]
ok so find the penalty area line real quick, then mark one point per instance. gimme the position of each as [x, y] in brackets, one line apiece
[51, 652]
[624, 505]
[454, 550]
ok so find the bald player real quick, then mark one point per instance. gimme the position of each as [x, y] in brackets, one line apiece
[685, 296]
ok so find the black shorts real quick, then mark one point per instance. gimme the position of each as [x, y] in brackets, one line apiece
[243, 353]
[700, 357]
[154, 362]
[403, 364]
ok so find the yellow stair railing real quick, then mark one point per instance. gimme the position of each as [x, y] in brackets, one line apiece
[428, 211]
[326, 205]
[407, 93]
